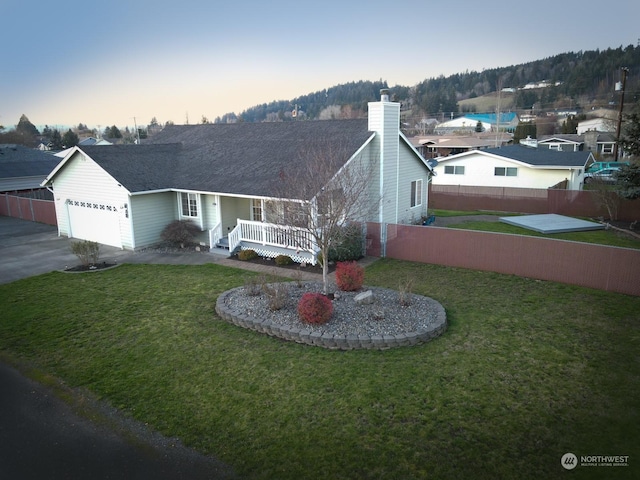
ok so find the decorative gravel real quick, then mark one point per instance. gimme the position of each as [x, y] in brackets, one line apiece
[384, 316]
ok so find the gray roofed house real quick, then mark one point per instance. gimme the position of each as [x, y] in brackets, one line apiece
[246, 158]
[23, 168]
[593, 141]
[220, 175]
[514, 166]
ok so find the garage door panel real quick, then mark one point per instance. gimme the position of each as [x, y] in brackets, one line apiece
[95, 221]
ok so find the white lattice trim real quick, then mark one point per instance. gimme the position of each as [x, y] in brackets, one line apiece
[298, 257]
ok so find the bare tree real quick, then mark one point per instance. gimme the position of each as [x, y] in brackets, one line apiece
[326, 187]
[605, 195]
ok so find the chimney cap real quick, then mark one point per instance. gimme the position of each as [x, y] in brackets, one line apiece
[384, 94]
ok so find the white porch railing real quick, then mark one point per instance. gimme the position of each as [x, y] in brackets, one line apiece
[215, 234]
[273, 235]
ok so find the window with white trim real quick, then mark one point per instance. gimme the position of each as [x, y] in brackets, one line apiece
[256, 210]
[607, 148]
[189, 204]
[505, 172]
[416, 193]
[454, 169]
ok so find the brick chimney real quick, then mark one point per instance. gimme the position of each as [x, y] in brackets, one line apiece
[591, 141]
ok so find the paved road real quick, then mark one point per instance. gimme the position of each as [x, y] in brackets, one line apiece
[41, 437]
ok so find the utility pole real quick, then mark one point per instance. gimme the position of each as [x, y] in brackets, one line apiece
[135, 125]
[616, 147]
[499, 87]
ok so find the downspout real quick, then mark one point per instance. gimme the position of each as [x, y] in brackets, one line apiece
[131, 229]
[397, 177]
[54, 206]
[381, 192]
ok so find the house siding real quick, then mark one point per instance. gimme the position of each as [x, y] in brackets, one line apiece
[411, 169]
[234, 208]
[209, 211]
[84, 180]
[151, 213]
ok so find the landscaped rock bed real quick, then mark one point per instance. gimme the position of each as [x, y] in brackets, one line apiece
[384, 323]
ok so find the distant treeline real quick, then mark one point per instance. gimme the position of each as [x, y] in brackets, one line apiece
[577, 79]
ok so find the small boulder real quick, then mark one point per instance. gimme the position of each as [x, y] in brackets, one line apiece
[364, 298]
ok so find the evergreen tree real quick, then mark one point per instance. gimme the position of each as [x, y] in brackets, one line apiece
[629, 181]
[56, 140]
[25, 127]
[524, 130]
[630, 138]
[112, 132]
[69, 139]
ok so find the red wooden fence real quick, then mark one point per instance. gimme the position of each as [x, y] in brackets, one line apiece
[574, 203]
[31, 209]
[596, 266]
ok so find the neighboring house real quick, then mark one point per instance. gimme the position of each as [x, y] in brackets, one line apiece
[435, 146]
[467, 123]
[44, 146]
[87, 142]
[513, 166]
[23, 169]
[601, 144]
[562, 142]
[220, 176]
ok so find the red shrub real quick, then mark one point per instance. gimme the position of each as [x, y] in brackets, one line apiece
[315, 308]
[349, 276]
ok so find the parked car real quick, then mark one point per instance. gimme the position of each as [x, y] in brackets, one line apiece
[597, 166]
[607, 175]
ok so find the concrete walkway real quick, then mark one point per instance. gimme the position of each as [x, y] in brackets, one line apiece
[28, 249]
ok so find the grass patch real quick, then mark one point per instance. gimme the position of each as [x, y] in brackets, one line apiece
[527, 371]
[611, 237]
[463, 213]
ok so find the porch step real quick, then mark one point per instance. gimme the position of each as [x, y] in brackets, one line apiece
[223, 242]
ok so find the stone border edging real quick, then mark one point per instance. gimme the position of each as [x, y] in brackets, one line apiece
[110, 267]
[326, 340]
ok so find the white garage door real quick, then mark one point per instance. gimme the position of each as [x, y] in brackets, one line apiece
[95, 221]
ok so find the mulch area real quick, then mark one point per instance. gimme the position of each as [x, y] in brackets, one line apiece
[90, 268]
[269, 262]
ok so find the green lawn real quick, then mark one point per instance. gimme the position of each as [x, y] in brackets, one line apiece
[609, 237]
[527, 371]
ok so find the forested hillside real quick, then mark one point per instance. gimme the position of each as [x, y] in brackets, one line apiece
[580, 80]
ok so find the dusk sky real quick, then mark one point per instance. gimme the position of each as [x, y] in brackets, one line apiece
[106, 63]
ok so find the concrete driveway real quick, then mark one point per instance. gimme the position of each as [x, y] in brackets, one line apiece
[29, 248]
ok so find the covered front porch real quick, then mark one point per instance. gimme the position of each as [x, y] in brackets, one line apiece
[266, 239]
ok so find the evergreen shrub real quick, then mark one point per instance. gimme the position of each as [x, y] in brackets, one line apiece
[283, 260]
[247, 254]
